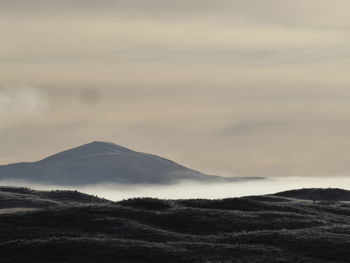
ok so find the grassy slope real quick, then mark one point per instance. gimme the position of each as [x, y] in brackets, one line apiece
[65, 226]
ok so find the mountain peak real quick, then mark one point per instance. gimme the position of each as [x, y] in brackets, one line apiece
[107, 146]
[90, 149]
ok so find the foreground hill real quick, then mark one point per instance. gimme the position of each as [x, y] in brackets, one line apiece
[66, 226]
[318, 194]
[102, 162]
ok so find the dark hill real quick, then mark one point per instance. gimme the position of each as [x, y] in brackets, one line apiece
[102, 162]
[317, 194]
[68, 226]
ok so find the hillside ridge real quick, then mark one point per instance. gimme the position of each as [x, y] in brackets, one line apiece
[70, 226]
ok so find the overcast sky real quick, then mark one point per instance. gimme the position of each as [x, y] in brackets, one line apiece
[249, 87]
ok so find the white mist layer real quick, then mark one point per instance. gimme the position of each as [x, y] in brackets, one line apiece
[189, 190]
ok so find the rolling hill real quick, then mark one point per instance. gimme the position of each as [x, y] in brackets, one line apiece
[68, 226]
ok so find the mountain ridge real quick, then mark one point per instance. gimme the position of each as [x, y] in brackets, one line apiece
[96, 147]
[105, 162]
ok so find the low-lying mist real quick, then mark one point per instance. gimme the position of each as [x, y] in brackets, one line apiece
[189, 190]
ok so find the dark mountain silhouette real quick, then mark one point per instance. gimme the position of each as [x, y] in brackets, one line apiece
[68, 226]
[101, 162]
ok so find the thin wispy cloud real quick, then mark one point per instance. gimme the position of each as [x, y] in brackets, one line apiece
[20, 102]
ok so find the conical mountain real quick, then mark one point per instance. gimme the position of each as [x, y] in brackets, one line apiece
[102, 162]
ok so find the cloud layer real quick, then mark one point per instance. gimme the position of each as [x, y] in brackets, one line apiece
[189, 190]
[229, 87]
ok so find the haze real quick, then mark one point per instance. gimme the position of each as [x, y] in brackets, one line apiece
[247, 88]
[189, 190]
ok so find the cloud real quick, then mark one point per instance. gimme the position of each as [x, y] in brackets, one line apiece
[296, 13]
[18, 102]
[311, 13]
[275, 125]
[121, 41]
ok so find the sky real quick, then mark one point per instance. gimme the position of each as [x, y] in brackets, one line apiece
[247, 88]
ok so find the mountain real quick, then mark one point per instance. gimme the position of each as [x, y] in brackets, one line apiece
[103, 162]
[69, 226]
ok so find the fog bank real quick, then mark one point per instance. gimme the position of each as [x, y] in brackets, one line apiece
[188, 190]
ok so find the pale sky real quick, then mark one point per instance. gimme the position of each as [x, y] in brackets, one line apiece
[225, 87]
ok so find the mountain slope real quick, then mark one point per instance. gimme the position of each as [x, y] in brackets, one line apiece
[68, 226]
[102, 162]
